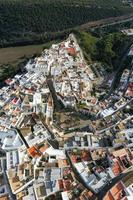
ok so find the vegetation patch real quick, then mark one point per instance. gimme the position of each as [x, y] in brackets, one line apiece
[32, 21]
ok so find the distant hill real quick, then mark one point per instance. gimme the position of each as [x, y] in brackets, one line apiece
[30, 21]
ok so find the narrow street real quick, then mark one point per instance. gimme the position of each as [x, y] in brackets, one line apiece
[11, 195]
[22, 137]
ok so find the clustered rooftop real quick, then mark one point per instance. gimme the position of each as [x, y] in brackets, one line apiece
[72, 153]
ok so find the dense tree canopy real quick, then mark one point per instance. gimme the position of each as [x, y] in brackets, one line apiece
[32, 20]
[108, 49]
[111, 48]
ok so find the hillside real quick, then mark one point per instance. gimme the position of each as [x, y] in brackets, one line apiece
[113, 47]
[33, 21]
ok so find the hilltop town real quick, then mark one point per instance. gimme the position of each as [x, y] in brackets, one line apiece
[58, 138]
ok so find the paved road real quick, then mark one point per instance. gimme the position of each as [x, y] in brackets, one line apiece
[22, 137]
[11, 195]
[107, 22]
[108, 128]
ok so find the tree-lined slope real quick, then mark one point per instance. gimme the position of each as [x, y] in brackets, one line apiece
[29, 20]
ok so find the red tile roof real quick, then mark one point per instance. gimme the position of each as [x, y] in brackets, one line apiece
[72, 51]
[61, 184]
[34, 152]
[116, 192]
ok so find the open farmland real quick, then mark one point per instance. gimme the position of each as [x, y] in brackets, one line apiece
[13, 54]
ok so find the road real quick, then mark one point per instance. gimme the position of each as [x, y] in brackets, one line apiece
[22, 137]
[106, 22]
[108, 128]
[11, 195]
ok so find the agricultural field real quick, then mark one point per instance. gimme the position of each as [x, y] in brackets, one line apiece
[14, 54]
